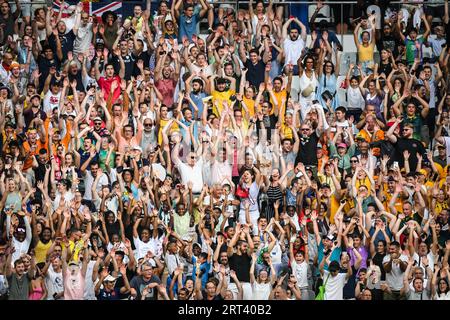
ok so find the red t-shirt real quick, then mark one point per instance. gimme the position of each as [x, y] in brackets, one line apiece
[167, 89]
[105, 85]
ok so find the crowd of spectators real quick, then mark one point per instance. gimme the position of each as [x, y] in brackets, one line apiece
[141, 159]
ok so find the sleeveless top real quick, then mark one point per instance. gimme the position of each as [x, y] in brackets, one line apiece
[305, 83]
[328, 83]
[273, 194]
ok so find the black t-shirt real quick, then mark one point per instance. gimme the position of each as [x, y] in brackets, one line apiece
[349, 287]
[389, 43]
[44, 68]
[144, 56]
[307, 153]
[385, 68]
[129, 61]
[39, 172]
[66, 42]
[413, 146]
[29, 115]
[109, 295]
[216, 297]
[255, 74]
[241, 265]
[8, 29]
[269, 124]
[378, 260]
[79, 80]
[120, 282]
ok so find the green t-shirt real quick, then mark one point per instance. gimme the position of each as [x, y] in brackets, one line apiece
[411, 50]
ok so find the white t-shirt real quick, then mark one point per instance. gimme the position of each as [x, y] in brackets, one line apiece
[207, 71]
[54, 283]
[334, 289]
[89, 180]
[192, 174]
[442, 296]
[83, 39]
[301, 273]
[355, 100]
[431, 260]
[395, 278]
[68, 196]
[276, 253]
[51, 101]
[293, 49]
[89, 285]
[261, 291]
[153, 245]
[220, 171]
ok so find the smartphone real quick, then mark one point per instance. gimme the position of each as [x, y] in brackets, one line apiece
[395, 165]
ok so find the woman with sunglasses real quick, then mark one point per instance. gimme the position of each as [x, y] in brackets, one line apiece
[328, 77]
[308, 80]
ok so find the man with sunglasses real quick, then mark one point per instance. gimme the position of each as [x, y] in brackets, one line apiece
[405, 143]
[149, 137]
[309, 138]
[191, 171]
[83, 31]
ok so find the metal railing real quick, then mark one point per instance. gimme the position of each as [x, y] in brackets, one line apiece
[344, 6]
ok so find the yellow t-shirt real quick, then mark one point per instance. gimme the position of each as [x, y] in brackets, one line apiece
[41, 250]
[162, 124]
[286, 131]
[75, 248]
[250, 103]
[365, 53]
[334, 206]
[398, 203]
[221, 97]
[279, 96]
[365, 182]
[439, 207]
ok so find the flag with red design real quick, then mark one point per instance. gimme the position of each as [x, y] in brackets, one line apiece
[91, 7]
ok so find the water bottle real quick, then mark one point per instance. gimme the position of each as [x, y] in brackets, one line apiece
[347, 61]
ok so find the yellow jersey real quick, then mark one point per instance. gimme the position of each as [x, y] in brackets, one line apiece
[220, 98]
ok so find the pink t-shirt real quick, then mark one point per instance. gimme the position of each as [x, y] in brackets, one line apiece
[167, 89]
[73, 286]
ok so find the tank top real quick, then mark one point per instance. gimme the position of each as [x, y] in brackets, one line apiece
[365, 54]
[41, 251]
[305, 83]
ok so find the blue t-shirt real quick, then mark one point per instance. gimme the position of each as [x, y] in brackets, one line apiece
[204, 267]
[109, 295]
[188, 26]
[335, 255]
[198, 100]
[380, 235]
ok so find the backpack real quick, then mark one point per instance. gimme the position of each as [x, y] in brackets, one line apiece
[321, 294]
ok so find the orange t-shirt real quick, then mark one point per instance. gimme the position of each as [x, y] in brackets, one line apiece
[30, 152]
